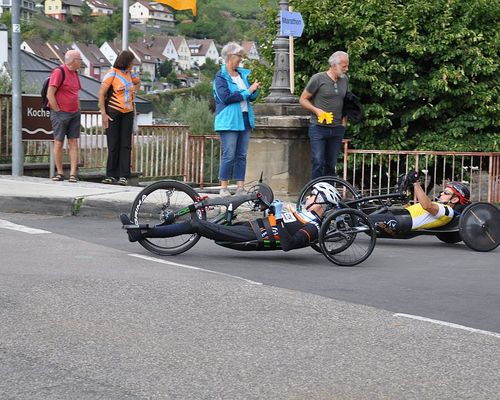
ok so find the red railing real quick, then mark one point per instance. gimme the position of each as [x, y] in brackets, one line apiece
[376, 171]
[171, 151]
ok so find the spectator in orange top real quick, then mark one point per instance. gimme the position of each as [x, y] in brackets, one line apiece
[116, 97]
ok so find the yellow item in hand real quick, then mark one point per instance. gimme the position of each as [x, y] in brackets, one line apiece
[326, 118]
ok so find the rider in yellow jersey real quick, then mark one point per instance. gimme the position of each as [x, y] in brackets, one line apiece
[425, 213]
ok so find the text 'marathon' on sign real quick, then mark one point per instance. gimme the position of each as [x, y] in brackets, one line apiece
[291, 24]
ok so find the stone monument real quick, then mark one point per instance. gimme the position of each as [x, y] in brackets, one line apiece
[279, 146]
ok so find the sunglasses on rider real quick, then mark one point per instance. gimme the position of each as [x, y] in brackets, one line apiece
[447, 193]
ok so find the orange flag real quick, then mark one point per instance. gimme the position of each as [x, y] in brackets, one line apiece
[180, 4]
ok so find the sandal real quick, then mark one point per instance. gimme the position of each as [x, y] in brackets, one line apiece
[58, 178]
[123, 181]
[109, 180]
[73, 179]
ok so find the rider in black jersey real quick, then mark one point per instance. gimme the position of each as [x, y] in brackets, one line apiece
[293, 229]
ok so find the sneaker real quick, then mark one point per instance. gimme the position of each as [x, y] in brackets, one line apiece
[122, 181]
[224, 192]
[240, 191]
[109, 180]
[134, 234]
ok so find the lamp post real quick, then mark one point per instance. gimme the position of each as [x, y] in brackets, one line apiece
[280, 86]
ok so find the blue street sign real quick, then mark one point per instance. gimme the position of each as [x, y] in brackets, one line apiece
[291, 24]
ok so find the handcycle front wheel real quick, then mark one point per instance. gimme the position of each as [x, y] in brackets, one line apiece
[347, 237]
[345, 189]
[479, 226]
[163, 202]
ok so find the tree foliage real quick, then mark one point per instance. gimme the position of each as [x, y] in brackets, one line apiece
[426, 70]
[214, 21]
[166, 68]
[192, 111]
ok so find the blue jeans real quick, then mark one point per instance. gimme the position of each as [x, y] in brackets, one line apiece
[233, 162]
[325, 147]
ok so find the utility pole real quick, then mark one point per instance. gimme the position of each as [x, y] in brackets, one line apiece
[17, 138]
[125, 20]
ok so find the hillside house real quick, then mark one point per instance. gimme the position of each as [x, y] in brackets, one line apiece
[251, 50]
[96, 64]
[201, 50]
[177, 49]
[40, 48]
[100, 7]
[151, 14]
[61, 9]
[28, 8]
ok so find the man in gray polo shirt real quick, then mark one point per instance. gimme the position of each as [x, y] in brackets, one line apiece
[324, 98]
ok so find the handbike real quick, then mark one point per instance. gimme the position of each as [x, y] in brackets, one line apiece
[346, 238]
[478, 225]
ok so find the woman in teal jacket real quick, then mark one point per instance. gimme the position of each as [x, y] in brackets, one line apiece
[234, 118]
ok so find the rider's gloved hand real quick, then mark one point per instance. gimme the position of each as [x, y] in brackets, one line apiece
[277, 206]
[412, 176]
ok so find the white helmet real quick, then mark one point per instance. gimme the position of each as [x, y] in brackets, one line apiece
[326, 193]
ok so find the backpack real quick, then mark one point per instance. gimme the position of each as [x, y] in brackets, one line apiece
[45, 88]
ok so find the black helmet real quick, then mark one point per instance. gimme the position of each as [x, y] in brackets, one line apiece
[461, 191]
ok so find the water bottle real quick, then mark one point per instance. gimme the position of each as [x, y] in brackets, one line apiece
[229, 213]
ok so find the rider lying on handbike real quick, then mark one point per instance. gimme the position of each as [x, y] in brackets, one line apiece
[425, 213]
[289, 229]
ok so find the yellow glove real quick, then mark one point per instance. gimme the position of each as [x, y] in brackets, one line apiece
[326, 118]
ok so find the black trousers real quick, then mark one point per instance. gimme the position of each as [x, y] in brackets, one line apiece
[398, 220]
[233, 233]
[119, 136]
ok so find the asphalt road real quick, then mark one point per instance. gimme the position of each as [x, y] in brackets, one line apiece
[420, 276]
[87, 315]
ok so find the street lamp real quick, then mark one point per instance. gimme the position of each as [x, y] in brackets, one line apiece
[279, 92]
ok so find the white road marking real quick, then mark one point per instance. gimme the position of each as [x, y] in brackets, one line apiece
[154, 259]
[449, 324]
[21, 228]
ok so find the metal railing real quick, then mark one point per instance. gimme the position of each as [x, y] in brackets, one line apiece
[375, 172]
[160, 151]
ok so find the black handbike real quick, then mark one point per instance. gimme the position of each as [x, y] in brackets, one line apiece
[478, 225]
[347, 237]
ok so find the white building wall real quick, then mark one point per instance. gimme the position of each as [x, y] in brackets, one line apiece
[108, 52]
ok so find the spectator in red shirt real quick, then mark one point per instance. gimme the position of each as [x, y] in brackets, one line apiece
[64, 103]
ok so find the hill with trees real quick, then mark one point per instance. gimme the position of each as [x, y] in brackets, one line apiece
[221, 20]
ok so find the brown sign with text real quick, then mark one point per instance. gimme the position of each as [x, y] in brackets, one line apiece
[36, 120]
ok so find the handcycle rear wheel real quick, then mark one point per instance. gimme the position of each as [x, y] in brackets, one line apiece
[479, 226]
[159, 202]
[347, 237]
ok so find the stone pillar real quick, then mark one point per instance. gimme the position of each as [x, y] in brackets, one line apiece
[279, 149]
[279, 146]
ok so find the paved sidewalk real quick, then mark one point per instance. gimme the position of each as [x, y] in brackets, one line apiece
[28, 194]
[43, 196]
[32, 195]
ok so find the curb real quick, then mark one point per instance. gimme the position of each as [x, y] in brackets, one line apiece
[42, 206]
[64, 207]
